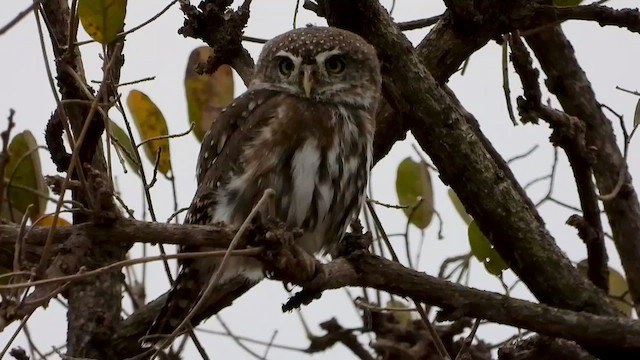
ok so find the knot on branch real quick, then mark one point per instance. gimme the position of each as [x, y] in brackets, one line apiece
[464, 12]
[53, 136]
[104, 209]
[336, 333]
[55, 144]
[403, 337]
[218, 26]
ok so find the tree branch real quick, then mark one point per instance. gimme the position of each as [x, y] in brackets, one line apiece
[603, 15]
[94, 307]
[469, 164]
[568, 133]
[617, 336]
[569, 83]
[122, 233]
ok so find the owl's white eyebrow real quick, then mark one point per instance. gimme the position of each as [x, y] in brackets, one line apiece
[296, 59]
[320, 58]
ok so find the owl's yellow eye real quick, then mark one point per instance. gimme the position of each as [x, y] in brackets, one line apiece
[286, 66]
[334, 65]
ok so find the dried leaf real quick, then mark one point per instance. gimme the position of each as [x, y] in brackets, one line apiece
[102, 19]
[150, 123]
[413, 182]
[206, 94]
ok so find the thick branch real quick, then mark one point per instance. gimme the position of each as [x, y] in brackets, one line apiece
[569, 83]
[568, 133]
[94, 307]
[469, 164]
[362, 269]
[122, 233]
[442, 52]
[603, 15]
[617, 336]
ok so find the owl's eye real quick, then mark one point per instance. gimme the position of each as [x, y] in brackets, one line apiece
[334, 65]
[286, 66]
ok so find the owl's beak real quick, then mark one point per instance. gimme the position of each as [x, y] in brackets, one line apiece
[308, 79]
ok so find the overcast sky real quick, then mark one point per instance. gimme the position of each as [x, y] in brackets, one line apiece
[608, 55]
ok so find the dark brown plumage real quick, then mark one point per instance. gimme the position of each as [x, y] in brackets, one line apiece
[304, 128]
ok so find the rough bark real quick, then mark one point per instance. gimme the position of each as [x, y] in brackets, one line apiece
[94, 306]
[468, 163]
[569, 83]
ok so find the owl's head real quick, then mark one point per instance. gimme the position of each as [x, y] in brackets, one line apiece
[323, 64]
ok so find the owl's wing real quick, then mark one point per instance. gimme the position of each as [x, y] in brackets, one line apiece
[222, 147]
[220, 154]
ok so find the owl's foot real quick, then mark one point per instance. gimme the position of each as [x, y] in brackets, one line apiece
[285, 260]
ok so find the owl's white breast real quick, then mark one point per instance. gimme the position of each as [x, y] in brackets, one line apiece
[304, 171]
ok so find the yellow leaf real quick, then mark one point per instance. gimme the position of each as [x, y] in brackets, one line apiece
[102, 19]
[206, 94]
[403, 317]
[27, 183]
[125, 146]
[618, 288]
[150, 123]
[48, 221]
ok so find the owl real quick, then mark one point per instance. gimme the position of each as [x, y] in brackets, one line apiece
[303, 128]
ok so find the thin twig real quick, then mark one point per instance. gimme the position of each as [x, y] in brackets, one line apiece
[523, 155]
[383, 234]
[129, 262]
[442, 350]
[19, 17]
[237, 340]
[14, 335]
[254, 39]
[170, 136]
[418, 24]
[505, 79]
[250, 340]
[365, 305]
[4, 155]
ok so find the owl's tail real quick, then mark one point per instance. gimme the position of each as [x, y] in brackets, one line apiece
[184, 294]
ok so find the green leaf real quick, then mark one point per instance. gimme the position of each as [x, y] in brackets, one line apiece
[482, 249]
[413, 182]
[618, 288]
[207, 94]
[566, 2]
[102, 19]
[457, 204]
[636, 115]
[25, 172]
[150, 123]
[125, 146]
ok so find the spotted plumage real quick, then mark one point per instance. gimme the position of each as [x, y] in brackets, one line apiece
[304, 128]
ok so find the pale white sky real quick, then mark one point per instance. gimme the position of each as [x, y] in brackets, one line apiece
[608, 55]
